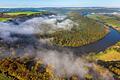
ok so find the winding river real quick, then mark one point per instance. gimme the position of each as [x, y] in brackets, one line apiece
[110, 39]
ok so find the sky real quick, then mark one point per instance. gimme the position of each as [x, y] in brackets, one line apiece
[58, 3]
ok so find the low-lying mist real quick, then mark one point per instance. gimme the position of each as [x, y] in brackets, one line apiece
[39, 25]
[64, 63]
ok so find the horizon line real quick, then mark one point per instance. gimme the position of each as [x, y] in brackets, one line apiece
[65, 7]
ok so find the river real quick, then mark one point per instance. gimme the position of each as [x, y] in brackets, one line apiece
[110, 39]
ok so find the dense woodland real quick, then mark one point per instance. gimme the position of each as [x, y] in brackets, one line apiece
[86, 31]
[27, 69]
[17, 69]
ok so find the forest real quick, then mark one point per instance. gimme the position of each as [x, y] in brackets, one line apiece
[84, 32]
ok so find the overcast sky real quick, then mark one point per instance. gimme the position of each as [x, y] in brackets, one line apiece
[59, 3]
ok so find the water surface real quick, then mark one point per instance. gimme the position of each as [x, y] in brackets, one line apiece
[110, 39]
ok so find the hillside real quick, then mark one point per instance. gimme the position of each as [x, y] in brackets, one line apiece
[84, 32]
[108, 60]
[111, 20]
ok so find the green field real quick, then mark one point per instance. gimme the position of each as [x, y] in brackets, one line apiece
[4, 19]
[19, 13]
[11, 15]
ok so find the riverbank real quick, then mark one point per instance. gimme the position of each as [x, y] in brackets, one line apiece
[108, 61]
[110, 39]
[117, 28]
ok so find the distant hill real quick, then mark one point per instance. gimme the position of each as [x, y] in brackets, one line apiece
[64, 10]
